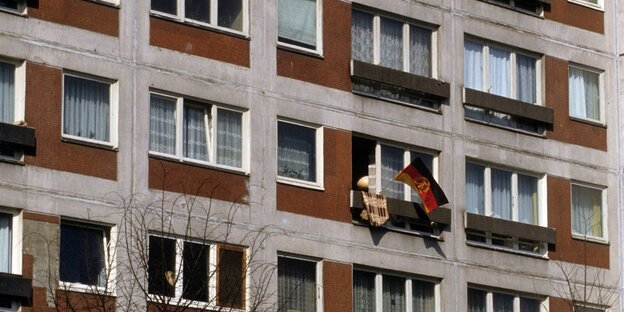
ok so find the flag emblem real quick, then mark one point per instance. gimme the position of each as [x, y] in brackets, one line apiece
[419, 178]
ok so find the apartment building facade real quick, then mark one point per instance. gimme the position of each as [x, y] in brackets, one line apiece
[138, 137]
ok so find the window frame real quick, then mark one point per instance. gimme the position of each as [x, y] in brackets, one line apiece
[211, 121]
[16, 240]
[319, 159]
[407, 22]
[110, 259]
[485, 51]
[214, 17]
[21, 8]
[489, 298]
[19, 101]
[596, 6]
[113, 110]
[603, 214]
[601, 95]
[318, 275]
[318, 49]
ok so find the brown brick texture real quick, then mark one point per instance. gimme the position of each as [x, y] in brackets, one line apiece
[83, 14]
[559, 305]
[337, 288]
[576, 15]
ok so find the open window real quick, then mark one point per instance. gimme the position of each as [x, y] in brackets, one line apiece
[16, 138]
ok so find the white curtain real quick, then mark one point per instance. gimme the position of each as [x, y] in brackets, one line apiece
[195, 140]
[473, 65]
[475, 191]
[362, 36]
[296, 285]
[476, 300]
[391, 164]
[5, 242]
[297, 21]
[529, 305]
[229, 138]
[420, 51]
[527, 199]
[7, 92]
[526, 76]
[499, 72]
[501, 194]
[584, 97]
[162, 124]
[86, 110]
[503, 303]
[393, 297]
[363, 291]
[586, 211]
[296, 152]
[428, 161]
[391, 44]
[423, 299]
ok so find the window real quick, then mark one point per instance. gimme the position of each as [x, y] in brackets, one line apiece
[530, 6]
[84, 257]
[587, 211]
[391, 43]
[298, 286]
[584, 93]
[13, 5]
[299, 150]
[224, 14]
[12, 94]
[197, 132]
[196, 271]
[383, 292]
[487, 301]
[10, 241]
[299, 24]
[596, 4]
[89, 112]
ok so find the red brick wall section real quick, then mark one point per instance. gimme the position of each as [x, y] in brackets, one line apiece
[84, 301]
[337, 288]
[576, 15]
[198, 41]
[559, 305]
[44, 113]
[173, 176]
[333, 69]
[566, 129]
[560, 217]
[83, 14]
[333, 202]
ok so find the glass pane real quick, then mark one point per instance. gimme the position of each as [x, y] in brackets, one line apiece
[5, 242]
[82, 255]
[423, 296]
[195, 140]
[7, 92]
[501, 194]
[529, 305]
[473, 65]
[162, 266]
[503, 303]
[229, 138]
[475, 189]
[231, 14]
[526, 78]
[420, 51]
[391, 44]
[165, 6]
[296, 151]
[198, 10]
[500, 72]
[393, 294]
[476, 300]
[527, 199]
[297, 22]
[584, 95]
[231, 278]
[363, 291]
[195, 282]
[391, 164]
[296, 285]
[362, 36]
[162, 124]
[586, 211]
[86, 108]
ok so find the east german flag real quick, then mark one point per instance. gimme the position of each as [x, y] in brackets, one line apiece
[418, 177]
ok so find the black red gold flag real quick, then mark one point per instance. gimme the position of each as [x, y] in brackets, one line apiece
[418, 177]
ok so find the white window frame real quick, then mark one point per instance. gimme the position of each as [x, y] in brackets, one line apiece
[406, 40]
[485, 52]
[19, 93]
[15, 266]
[599, 6]
[113, 109]
[318, 273]
[489, 298]
[318, 184]
[211, 115]
[603, 214]
[601, 96]
[110, 259]
[542, 203]
[107, 2]
[318, 50]
[214, 17]
[408, 288]
[21, 8]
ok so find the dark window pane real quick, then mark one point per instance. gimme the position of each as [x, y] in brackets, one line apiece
[476, 300]
[161, 266]
[231, 277]
[296, 151]
[198, 10]
[82, 255]
[195, 283]
[10, 4]
[231, 14]
[165, 6]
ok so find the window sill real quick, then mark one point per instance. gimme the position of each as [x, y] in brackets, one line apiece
[300, 183]
[591, 122]
[91, 143]
[197, 163]
[200, 25]
[587, 5]
[14, 12]
[300, 50]
[87, 289]
[590, 239]
[189, 304]
[507, 250]
[485, 123]
[112, 4]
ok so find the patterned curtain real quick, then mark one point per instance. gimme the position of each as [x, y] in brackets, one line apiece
[420, 51]
[501, 194]
[423, 298]
[296, 151]
[162, 124]
[500, 72]
[473, 65]
[86, 110]
[586, 211]
[391, 44]
[503, 303]
[195, 139]
[5, 243]
[229, 138]
[362, 36]
[391, 164]
[7, 92]
[584, 96]
[527, 199]
[526, 78]
[296, 285]
[363, 291]
[475, 191]
[393, 296]
[297, 21]
[476, 300]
